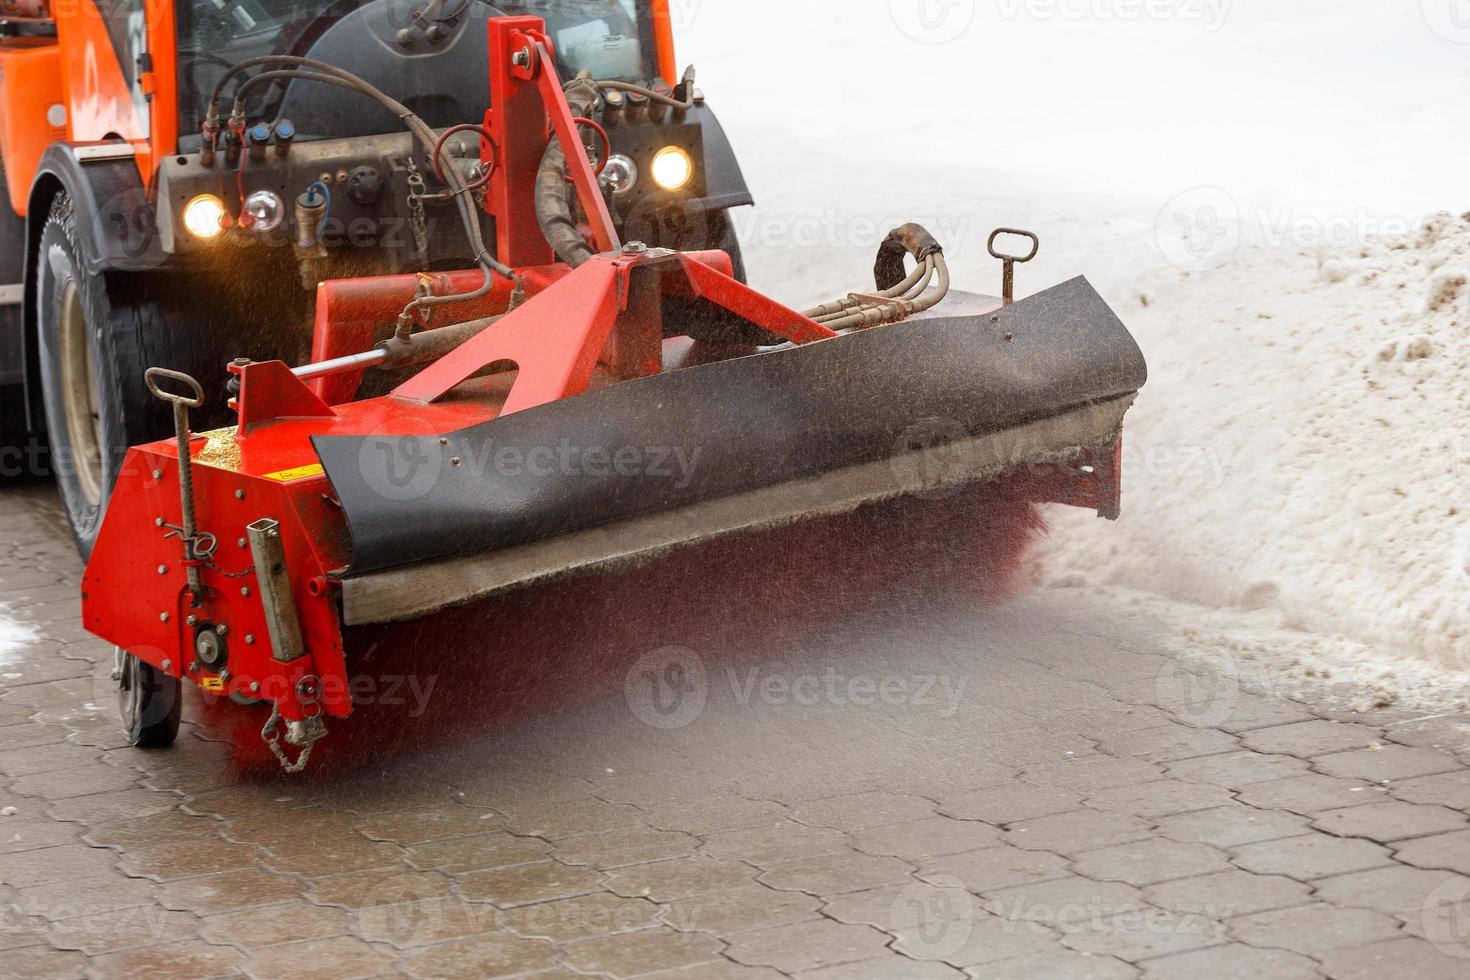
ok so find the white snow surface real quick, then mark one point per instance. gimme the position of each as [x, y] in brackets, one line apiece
[1259, 197]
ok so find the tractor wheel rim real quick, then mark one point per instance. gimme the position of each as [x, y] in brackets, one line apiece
[129, 693]
[79, 395]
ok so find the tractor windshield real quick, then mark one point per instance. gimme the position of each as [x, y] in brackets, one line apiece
[612, 39]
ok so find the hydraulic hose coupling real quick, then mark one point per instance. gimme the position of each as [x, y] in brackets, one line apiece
[311, 211]
[210, 132]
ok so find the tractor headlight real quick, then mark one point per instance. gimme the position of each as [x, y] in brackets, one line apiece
[265, 210]
[204, 216]
[620, 174]
[672, 168]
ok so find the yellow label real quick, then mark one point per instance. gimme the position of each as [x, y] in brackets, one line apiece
[213, 685]
[299, 473]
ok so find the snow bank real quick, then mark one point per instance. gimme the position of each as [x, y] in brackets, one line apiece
[1302, 452]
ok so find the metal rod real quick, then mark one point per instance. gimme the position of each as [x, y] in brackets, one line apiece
[275, 590]
[340, 365]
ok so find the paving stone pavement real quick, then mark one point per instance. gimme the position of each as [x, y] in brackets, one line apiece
[950, 791]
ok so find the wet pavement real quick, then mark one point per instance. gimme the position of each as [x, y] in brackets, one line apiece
[925, 786]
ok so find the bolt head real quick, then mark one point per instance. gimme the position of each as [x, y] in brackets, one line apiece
[168, 665]
[163, 617]
[242, 542]
[635, 248]
[163, 569]
[245, 591]
[255, 685]
[191, 620]
[249, 638]
[158, 522]
[158, 474]
[222, 629]
[239, 494]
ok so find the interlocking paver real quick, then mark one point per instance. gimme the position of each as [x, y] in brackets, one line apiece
[709, 815]
[1151, 861]
[1448, 852]
[1169, 743]
[124, 929]
[1237, 769]
[1407, 957]
[1077, 831]
[1310, 794]
[481, 956]
[1226, 894]
[863, 810]
[1311, 738]
[426, 824]
[1232, 960]
[977, 939]
[1063, 901]
[80, 781]
[1161, 798]
[1135, 934]
[764, 846]
[1393, 889]
[1065, 965]
[919, 840]
[666, 881]
[995, 867]
[188, 959]
[1313, 930]
[571, 919]
[1451, 789]
[270, 924]
[528, 883]
[836, 873]
[1010, 803]
[1092, 773]
[42, 963]
[737, 910]
[807, 945]
[885, 967]
[345, 957]
[1391, 820]
[67, 861]
[478, 852]
[618, 848]
[1387, 762]
[1312, 855]
[1232, 825]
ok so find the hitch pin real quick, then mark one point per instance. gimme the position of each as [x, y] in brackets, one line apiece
[1008, 277]
[181, 405]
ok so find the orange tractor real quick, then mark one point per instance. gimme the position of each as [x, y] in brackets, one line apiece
[113, 254]
[434, 302]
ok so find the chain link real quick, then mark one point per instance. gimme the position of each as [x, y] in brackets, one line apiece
[313, 730]
[418, 219]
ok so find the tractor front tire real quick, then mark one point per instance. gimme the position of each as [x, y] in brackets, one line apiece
[93, 331]
[149, 701]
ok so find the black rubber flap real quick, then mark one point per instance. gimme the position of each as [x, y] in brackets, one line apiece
[738, 425]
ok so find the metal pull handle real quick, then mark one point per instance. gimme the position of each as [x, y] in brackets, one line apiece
[188, 527]
[154, 375]
[1008, 277]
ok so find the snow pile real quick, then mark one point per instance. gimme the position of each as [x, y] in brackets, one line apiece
[1302, 454]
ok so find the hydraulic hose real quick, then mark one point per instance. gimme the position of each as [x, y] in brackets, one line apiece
[553, 202]
[315, 71]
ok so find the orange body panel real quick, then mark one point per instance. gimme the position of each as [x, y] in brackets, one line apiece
[30, 84]
[103, 103]
[663, 33]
